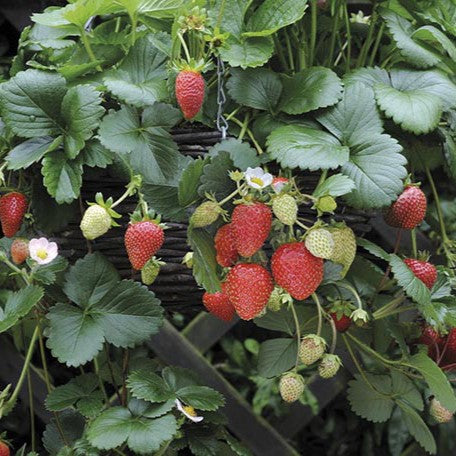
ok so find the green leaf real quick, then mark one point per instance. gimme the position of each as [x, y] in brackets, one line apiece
[179, 377]
[356, 114]
[413, 287]
[81, 112]
[372, 405]
[201, 397]
[142, 435]
[431, 34]
[249, 52]
[204, 262]
[62, 177]
[283, 320]
[294, 146]
[241, 153]
[417, 427]
[28, 152]
[377, 168]
[374, 249]
[232, 17]
[276, 356]
[272, 15]
[150, 148]
[435, 378]
[335, 185]
[153, 8]
[449, 150]
[31, 103]
[402, 31]
[189, 182]
[146, 385]
[398, 434]
[95, 155]
[259, 88]
[310, 89]
[405, 389]
[140, 80]
[47, 273]
[18, 304]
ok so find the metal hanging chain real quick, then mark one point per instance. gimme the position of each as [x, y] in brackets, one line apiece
[222, 124]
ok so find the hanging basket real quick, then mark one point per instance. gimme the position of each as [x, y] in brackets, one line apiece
[175, 285]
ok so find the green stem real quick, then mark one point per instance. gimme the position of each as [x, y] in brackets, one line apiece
[100, 380]
[298, 331]
[396, 311]
[334, 335]
[352, 290]
[43, 359]
[323, 176]
[348, 30]
[231, 195]
[249, 133]
[379, 313]
[437, 203]
[244, 126]
[414, 247]
[313, 31]
[88, 48]
[320, 313]
[302, 225]
[289, 50]
[134, 24]
[332, 42]
[367, 43]
[372, 352]
[184, 45]
[219, 17]
[131, 188]
[280, 54]
[376, 44]
[32, 410]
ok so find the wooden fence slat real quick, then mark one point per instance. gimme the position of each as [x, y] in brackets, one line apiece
[254, 431]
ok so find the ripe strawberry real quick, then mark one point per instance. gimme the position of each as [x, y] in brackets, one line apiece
[408, 210]
[439, 412]
[423, 270]
[225, 246]
[285, 209]
[219, 304]
[251, 224]
[205, 214]
[320, 243]
[142, 241]
[190, 92]
[248, 287]
[19, 250]
[312, 349]
[344, 247]
[450, 352]
[12, 210]
[95, 222]
[329, 365]
[4, 449]
[278, 183]
[342, 323]
[150, 271]
[296, 270]
[431, 338]
[291, 386]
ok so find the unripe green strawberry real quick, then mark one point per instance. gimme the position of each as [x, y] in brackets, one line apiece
[312, 349]
[344, 247]
[326, 204]
[320, 243]
[205, 214]
[285, 209]
[275, 300]
[150, 271]
[439, 412]
[291, 386]
[95, 222]
[329, 365]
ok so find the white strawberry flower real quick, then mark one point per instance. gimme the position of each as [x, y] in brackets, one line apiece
[188, 411]
[257, 178]
[42, 251]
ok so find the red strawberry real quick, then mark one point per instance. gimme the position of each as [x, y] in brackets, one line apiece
[248, 287]
[342, 323]
[449, 356]
[4, 449]
[12, 210]
[423, 270]
[142, 241]
[219, 304]
[278, 183]
[251, 224]
[19, 250]
[296, 270]
[408, 210]
[225, 246]
[431, 338]
[190, 92]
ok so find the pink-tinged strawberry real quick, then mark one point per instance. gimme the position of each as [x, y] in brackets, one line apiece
[278, 183]
[311, 349]
[13, 207]
[329, 365]
[296, 270]
[19, 250]
[251, 223]
[142, 241]
[409, 210]
[291, 386]
[219, 304]
[4, 449]
[190, 92]
[249, 287]
[440, 413]
[423, 270]
[225, 246]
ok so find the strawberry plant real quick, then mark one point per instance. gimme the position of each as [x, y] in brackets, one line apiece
[327, 116]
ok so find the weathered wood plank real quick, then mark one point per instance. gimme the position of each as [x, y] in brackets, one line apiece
[255, 432]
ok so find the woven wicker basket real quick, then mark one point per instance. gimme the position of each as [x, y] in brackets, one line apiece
[175, 285]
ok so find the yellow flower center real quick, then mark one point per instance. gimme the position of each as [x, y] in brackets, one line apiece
[257, 180]
[42, 254]
[189, 410]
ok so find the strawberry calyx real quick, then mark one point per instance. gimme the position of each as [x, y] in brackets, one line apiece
[196, 66]
[149, 216]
